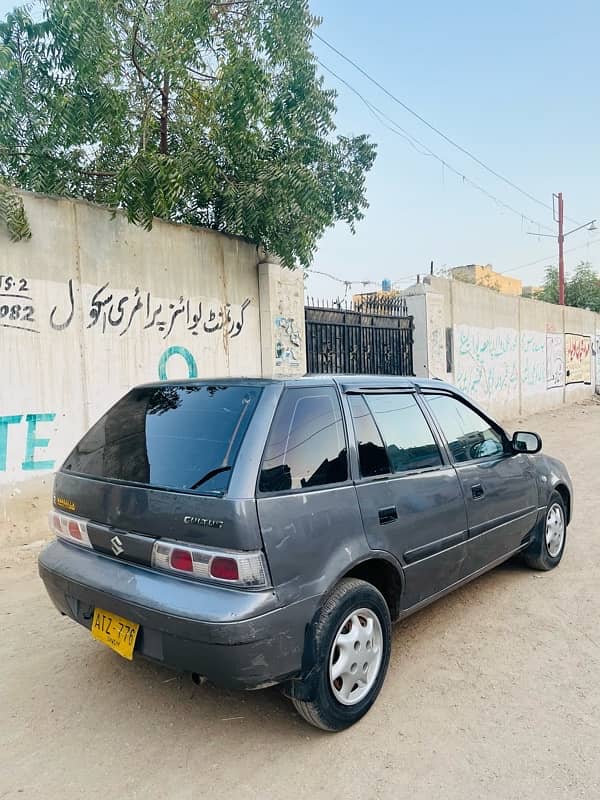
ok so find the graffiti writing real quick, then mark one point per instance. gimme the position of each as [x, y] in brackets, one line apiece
[487, 361]
[33, 442]
[287, 342]
[110, 309]
[555, 360]
[16, 309]
[578, 358]
[533, 362]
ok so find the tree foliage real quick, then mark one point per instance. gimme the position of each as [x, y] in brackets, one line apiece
[582, 289]
[209, 113]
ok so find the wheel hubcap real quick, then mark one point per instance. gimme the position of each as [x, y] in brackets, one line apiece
[555, 530]
[356, 656]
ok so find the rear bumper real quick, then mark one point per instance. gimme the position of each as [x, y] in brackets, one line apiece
[236, 639]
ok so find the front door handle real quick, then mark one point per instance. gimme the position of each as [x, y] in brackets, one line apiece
[387, 515]
[477, 491]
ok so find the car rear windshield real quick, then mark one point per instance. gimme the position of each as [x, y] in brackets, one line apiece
[173, 437]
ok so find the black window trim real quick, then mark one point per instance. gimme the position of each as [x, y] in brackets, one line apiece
[391, 475]
[508, 452]
[303, 489]
[384, 390]
[360, 477]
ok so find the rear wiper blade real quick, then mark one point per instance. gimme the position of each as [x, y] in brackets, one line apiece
[210, 475]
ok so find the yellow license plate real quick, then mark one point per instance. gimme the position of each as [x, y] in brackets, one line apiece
[114, 631]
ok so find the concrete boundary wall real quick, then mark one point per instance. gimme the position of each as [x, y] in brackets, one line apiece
[513, 355]
[92, 305]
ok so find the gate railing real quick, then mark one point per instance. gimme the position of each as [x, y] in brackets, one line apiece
[357, 338]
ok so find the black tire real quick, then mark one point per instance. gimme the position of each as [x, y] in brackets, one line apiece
[323, 709]
[537, 556]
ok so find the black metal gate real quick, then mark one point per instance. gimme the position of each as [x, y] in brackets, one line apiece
[372, 336]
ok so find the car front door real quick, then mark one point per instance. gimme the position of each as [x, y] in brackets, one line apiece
[499, 485]
[409, 494]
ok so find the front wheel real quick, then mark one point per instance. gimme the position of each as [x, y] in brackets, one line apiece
[546, 550]
[352, 648]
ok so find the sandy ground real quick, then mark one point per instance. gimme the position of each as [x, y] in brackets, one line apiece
[492, 692]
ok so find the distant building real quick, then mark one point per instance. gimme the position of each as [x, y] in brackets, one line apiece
[532, 291]
[485, 276]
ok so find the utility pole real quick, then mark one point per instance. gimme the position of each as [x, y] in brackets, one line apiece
[561, 247]
[590, 226]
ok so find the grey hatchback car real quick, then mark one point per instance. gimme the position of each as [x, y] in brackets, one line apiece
[260, 532]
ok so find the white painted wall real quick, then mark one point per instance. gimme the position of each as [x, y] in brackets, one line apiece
[513, 355]
[91, 306]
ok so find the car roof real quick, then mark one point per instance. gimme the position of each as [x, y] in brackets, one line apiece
[345, 382]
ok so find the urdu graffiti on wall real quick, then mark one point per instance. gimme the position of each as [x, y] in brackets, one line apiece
[109, 309]
[533, 362]
[555, 360]
[495, 360]
[486, 361]
[118, 310]
[578, 358]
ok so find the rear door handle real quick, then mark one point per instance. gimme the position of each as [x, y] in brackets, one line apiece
[477, 491]
[387, 515]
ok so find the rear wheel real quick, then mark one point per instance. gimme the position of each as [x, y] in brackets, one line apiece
[546, 551]
[352, 649]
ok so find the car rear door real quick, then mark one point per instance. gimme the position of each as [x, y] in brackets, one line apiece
[306, 502]
[409, 494]
[499, 485]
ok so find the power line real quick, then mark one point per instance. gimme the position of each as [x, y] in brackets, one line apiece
[551, 257]
[434, 129]
[381, 116]
[340, 280]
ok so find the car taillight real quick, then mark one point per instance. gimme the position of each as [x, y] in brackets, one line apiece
[224, 568]
[71, 529]
[243, 569]
[182, 559]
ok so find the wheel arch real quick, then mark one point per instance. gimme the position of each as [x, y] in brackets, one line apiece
[385, 576]
[565, 494]
[380, 570]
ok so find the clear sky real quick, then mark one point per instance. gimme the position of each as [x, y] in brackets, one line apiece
[517, 83]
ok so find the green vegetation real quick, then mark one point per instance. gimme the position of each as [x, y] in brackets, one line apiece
[582, 289]
[209, 113]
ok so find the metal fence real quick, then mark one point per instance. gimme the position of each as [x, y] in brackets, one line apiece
[371, 336]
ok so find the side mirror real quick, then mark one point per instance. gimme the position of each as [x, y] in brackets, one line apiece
[525, 442]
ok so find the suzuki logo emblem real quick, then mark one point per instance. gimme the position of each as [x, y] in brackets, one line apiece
[116, 545]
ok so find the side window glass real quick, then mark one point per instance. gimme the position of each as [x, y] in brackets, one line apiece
[469, 435]
[307, 445]
[371, 449]
[408, 438]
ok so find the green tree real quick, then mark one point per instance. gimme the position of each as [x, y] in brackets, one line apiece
[209, 113]
[582, 289]
[549, 292]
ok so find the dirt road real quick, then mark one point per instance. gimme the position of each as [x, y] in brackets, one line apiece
[493, 692]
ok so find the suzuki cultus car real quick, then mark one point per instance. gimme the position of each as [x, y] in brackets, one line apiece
[262, 532]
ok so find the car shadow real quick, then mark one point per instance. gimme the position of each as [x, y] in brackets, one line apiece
[143, 693]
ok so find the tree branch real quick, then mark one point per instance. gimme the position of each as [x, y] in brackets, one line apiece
[201, 74]
[164, 116]
[136, 63]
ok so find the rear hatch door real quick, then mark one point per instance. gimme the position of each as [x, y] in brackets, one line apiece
[158, 465]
